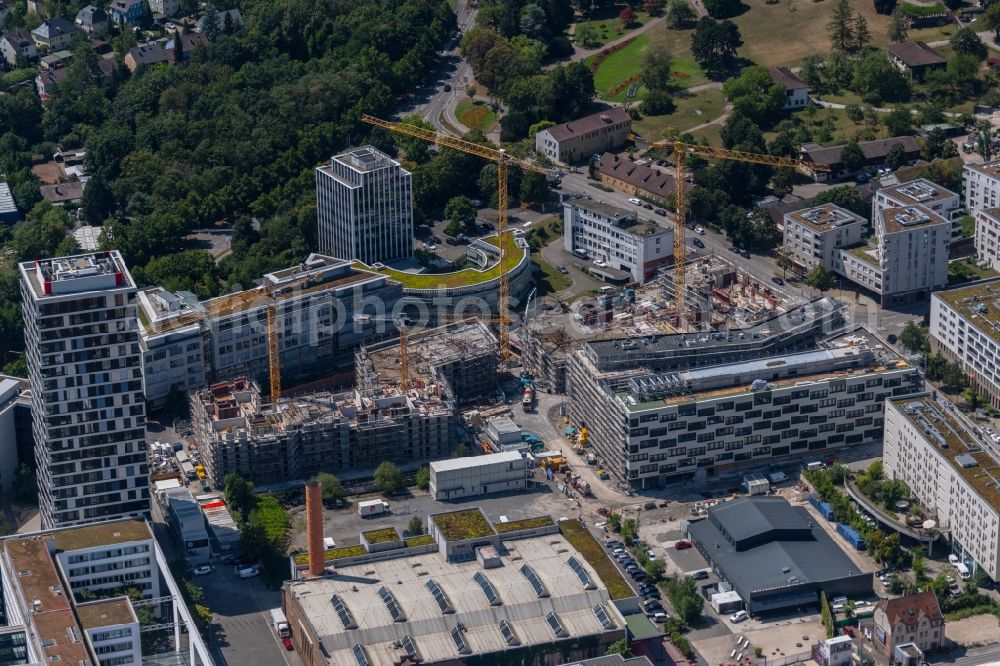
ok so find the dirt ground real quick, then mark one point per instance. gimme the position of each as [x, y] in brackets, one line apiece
[973, 631]
[776, 639]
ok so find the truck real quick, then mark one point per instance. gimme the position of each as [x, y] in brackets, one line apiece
[372, 508]
[280, 623]
[528, 398]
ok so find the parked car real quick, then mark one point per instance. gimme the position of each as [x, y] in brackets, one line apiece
[697, 243]
[613, 543]
[231, 559]
[699, 575]
[451, 241]
[600, 264]
[635, 201]
[746, 254]
[660, 617]
[699, 230]
[778, 281]
[447, 87]
[733, 248]
[647, 206]
[287, 642]
[649, 506]
[682, 545]
[660, 212]
[562, 269]
[618, 550]
[738, 616]
[248, 572]
[203, 570]
[689, 225]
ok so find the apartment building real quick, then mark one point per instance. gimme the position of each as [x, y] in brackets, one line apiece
[982, 185]
[96, 558]
[294, 438]
[906, 260]
[45, 621]
[965, 329]
[924, 193]
[616, 236]
[579, 139]
[717, 421]
[87, 402]
[188, 344]
[952, 468]
[813, 236]
[364, 207]
[988, 237]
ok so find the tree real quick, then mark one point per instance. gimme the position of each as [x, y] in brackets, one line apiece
[460, 210]
[938, 145]
[680, 15]
[388, 478]
[333, 490]
[630, 531]
[826, 615]
[899, 25]
[783, 261]
[984, 145]
[899, 122]
[919, 567]
[818, 278]
[720, 9]
[852, 157]
[841, 26]
[844, 196]
[756, 96]
[877, 79]
[967, 41]
[586, 35]
[714, 45]
[657, 64]
[619, 647]
[423, 478]
[884, 7]
[238, 493]
[914, 338]
[862, 36]
[416, 526]
[26, 484]
[627, 16]
[655, 569]
[657, 103]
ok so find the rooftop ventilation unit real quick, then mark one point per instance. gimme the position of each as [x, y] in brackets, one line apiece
[966, 461]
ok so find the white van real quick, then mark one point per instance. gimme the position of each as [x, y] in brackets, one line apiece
[607, 289]
[738, 616]
[812, 466]
[328, 543]
[635, 202]
[963, 571]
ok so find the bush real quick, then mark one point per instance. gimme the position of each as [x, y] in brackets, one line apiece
[657, 103]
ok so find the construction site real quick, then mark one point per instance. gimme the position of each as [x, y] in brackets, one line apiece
[719, 298]
[238, 431]
[462, 355]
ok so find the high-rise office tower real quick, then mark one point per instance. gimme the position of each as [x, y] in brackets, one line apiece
[87, 402]
[364, 207]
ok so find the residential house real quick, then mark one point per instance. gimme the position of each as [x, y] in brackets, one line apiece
[93, 21]
[915, 618]
[17, 43]
[915, 57]
[189, 42]
[165, 7]
[796, 90]
[578, 139]
[625, 175]
[63, 193]
[229, 19]
[144, 54]
[874, 151]
[54, 34]
[127, 11]
[46, 82]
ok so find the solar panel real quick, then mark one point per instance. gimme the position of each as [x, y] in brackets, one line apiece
[460, 644]
[359, 655]
[581, 573]
[508, 633]
[346, 618]
[439, 596]
[602, 616]
[487, 586]
[554, 623]
[390, 603]
[409, 647]
[535, 581]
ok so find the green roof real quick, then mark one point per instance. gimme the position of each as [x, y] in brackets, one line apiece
[525, 524]
[463, 525]
[581, 539]
[334, 554]
[462, 278]
[382, 536]
[640, 627]
[420, 540]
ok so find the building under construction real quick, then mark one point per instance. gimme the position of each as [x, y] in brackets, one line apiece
[238, 431]
[464, 355]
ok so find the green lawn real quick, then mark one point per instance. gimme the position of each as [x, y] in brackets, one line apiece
[607, 26]
[475, 114]
[548, 280]
[711, 135]
[691, 110]
[966, 270]
[627, 63]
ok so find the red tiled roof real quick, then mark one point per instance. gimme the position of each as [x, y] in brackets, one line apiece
[911, 608]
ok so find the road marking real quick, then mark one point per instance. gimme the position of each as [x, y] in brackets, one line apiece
[267, 621]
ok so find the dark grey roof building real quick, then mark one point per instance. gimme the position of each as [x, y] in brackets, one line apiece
[775, 555]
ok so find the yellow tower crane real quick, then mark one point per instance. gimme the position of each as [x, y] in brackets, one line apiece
[682, 150]
[503, 162]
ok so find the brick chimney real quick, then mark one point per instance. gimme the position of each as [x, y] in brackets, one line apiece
[314, 527]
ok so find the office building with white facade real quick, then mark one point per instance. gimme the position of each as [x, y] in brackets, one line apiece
[654, 429]
[364, 207]
[814, 236]
[85, 372]
[982, 185]
[189, 344]
[965, 329]
[988, 237]
[616, 236]
[479, 475]
[953, 468]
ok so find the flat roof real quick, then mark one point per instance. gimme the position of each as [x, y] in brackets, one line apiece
[472, 462]
[101, 534]
[978, 303]
[964, 441]
[910, 218]
[429, 627]
[920, 191]
[825, 218]
[106, 612]
[463, 525]
[991, 169]
[76, 275]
